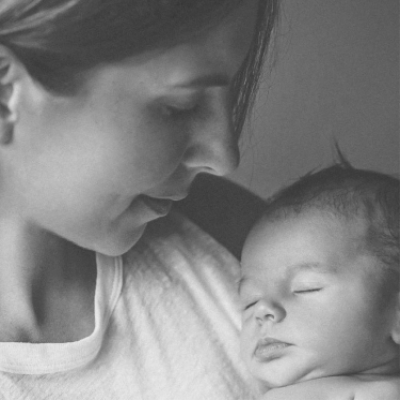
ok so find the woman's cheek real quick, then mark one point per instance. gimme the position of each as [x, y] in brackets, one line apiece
[156, 156]
[169, 141]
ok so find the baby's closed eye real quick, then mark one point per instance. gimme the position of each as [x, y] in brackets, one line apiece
[306, 290]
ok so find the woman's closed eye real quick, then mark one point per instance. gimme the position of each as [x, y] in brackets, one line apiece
[181, 108]
[180, 112]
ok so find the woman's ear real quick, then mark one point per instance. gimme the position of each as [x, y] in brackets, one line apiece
[395, 333]
[11, 71]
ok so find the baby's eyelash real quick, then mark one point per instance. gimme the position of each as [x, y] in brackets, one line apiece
[307, 290]
[249, 305]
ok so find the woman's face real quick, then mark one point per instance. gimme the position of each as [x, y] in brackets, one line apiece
[97, 167]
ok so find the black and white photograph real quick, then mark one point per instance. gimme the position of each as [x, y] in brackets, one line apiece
[199, 200]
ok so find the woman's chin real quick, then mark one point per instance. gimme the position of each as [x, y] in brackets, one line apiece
[119, 244]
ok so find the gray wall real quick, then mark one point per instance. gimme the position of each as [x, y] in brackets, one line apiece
[336, 75]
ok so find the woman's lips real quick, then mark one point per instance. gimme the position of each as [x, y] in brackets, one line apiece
[269, 349]
[160, 207]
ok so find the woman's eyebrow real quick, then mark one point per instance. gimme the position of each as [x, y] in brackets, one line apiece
[206, 81]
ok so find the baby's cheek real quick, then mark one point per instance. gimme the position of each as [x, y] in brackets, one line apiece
[246, 341]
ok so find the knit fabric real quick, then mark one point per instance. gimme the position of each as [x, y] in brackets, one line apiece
[166, 328]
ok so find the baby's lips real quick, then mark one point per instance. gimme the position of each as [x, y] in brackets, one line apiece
[269, 348]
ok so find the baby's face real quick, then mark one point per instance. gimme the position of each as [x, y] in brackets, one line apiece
[309, 308]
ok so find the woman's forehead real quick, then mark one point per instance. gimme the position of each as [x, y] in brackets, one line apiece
[235, 34]
[211, 59]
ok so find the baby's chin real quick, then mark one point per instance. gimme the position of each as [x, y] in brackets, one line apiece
[288, 377]
[278, 374]
[293, 377]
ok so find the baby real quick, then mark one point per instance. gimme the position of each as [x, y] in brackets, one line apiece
[320, 289]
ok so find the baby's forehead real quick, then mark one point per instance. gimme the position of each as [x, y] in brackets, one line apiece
[313, 241]
[325, 218]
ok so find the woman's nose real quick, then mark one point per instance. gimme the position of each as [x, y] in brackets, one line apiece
[214, 145]
[268, 311]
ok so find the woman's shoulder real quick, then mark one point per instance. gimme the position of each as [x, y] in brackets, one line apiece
[223, 209]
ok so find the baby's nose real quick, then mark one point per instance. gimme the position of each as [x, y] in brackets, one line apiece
[268, 311]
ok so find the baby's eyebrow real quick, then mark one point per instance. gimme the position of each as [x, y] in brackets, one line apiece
[311, 266]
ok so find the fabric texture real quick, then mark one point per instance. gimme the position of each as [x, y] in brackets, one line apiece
[166, 328]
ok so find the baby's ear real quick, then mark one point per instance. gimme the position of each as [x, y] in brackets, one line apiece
[11, 71]
[395, 333]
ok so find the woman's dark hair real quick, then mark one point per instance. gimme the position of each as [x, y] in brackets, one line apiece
[59, 40]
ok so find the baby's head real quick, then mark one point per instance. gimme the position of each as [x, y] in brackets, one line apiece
[320, 279]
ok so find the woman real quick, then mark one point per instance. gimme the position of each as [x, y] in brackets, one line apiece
[109, 110]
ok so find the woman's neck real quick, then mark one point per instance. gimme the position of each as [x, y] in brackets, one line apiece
[43, 277]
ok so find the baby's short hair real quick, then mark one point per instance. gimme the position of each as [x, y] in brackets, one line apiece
[350, 193]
